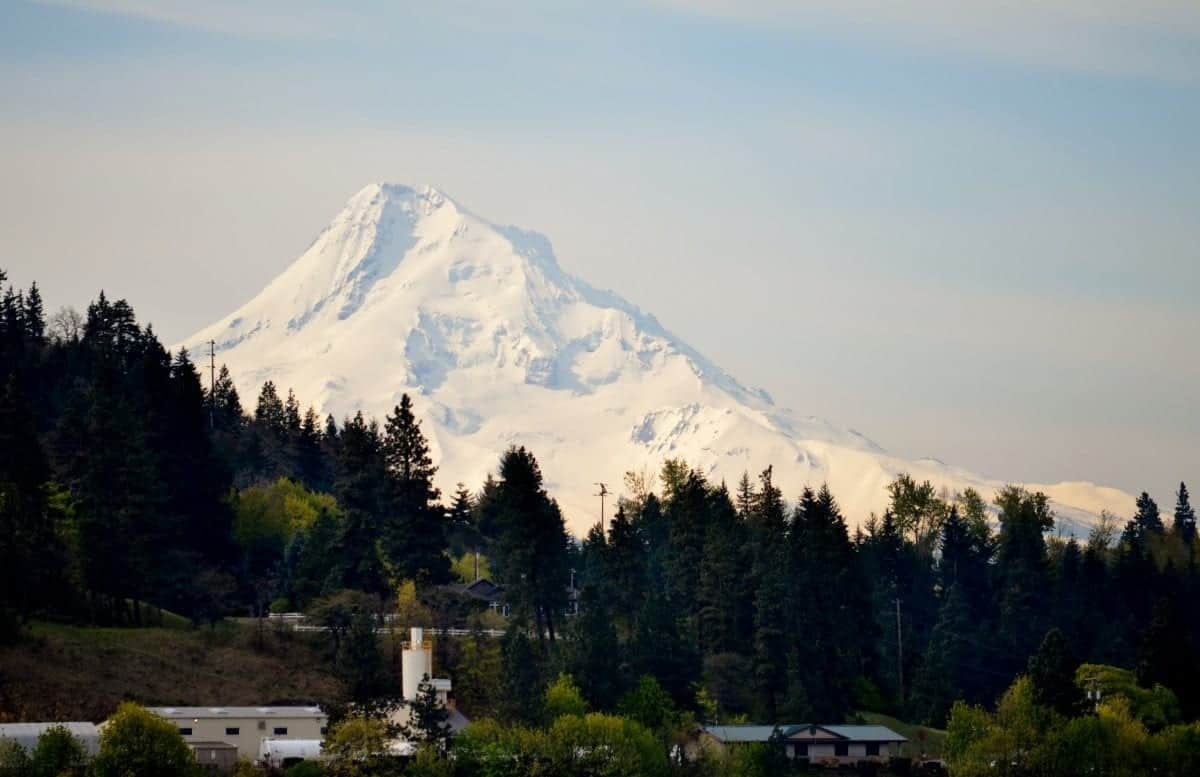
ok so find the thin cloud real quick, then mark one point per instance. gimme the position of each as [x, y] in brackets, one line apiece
[265, 20]
[1149, 38]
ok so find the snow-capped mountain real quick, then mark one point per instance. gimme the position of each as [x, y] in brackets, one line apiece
[406, 291]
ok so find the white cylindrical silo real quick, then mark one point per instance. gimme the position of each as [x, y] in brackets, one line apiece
[415, 662]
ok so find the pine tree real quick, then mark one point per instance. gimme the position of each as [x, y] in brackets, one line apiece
[1022, 567]
[595, 657]
[34, 315]
[1185, 516]
[769, 573]
[944, 666]
[1052, 672]
[521, 701]
[269, 412]
[428, 718]
[415, 533]
[360, 485]
[1147, 516]
[530, 551]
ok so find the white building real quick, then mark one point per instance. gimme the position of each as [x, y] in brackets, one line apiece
[26, 734]
[246, 727]
[416, 662]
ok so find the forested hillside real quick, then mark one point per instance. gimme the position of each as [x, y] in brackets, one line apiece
[127, 486]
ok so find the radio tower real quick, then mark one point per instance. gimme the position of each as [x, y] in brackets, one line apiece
[603, 493]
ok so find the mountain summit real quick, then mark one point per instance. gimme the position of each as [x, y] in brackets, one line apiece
[408, 292]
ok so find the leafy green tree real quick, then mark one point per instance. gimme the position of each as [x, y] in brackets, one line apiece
[58, 753]
[14, 761]
[649, 704]
[564, 698]
[138, 742]
[357, 746]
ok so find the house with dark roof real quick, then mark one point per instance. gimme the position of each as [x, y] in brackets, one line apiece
[831, 745]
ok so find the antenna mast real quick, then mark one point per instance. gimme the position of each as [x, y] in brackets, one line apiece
[603, 493]
[212, 384]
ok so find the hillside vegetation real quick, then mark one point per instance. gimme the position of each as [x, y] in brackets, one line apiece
[62, 672]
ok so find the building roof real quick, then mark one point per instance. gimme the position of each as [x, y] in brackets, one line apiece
[211, 746]
[26, 734]
[798, 730]
[238, 712]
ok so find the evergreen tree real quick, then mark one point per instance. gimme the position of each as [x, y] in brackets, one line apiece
[946, 661]
[1185, 516]
[415, 532]
[34, 316]
[521, 700]
[663, 648]
[627, 560]
[1022, 569]
[594, 653]
[428, 718]
[1164, 656]
[1147, 516]
[360, 485]
[1052, 672]
[530, 552]
[769, 572]
[269, 412]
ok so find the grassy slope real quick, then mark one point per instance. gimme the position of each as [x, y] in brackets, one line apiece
[920, 738]
[81, 673]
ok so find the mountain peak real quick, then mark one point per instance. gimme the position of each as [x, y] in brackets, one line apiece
[406, 292]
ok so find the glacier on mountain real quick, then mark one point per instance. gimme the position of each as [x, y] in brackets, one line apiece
[405, 291]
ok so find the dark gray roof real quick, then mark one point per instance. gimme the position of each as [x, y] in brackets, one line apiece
[763, 733]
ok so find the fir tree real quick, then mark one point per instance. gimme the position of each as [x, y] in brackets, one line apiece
[360, 485]
[428, 718]
[415, 533]
[1185, 516]
[1147, 516]
[1052, 672]
[530, 551]
[944, 666]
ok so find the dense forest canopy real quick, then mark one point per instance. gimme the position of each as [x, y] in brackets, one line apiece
[127, 485]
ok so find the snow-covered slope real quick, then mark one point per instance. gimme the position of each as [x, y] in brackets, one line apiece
[405, 291]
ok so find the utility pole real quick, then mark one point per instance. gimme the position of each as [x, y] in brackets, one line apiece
[899, 651]
[603, 493]
[212, 384]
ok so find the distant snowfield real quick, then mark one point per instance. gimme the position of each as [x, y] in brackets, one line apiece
[405, 291]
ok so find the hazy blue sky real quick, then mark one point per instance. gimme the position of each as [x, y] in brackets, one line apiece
[970, 230]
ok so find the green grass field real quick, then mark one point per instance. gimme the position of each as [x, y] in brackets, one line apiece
[922, 741]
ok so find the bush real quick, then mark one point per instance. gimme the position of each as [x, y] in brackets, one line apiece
[14, 761]
[58, 754]
[305, 769]
[138, 742]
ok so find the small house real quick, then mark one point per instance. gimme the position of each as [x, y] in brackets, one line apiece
[832, 745]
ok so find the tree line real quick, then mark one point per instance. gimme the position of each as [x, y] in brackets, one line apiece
[127, 486]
